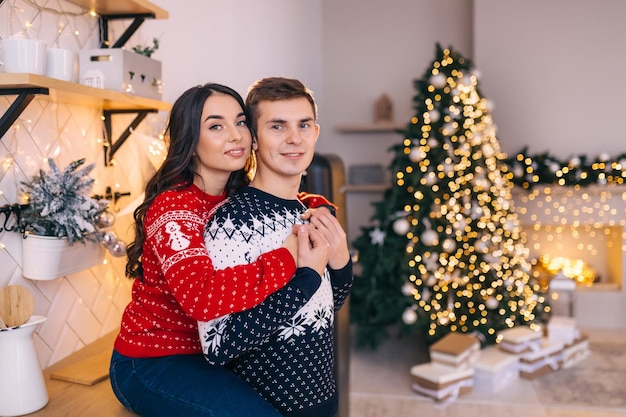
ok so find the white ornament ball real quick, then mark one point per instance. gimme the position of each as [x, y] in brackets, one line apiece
[553, 167]
[448, 245]
[430, 238]
[106, 219]
[409, 316]
[118, 249]
[438, 80]
[481, 247]
[492, 303]
[448, 129]
[466, 80]
[109, 239]
[401, 226]
[434, 115]
[408, 289]
[430, 178]
[417, 154]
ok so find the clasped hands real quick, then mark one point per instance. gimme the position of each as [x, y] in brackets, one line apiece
[320, 242]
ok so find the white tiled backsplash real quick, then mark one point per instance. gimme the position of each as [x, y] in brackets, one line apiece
[84, 306]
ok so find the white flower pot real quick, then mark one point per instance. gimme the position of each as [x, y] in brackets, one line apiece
[46, 257]
[22, 385]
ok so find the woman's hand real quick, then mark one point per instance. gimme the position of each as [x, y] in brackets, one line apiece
[291, 244]
[328, 225]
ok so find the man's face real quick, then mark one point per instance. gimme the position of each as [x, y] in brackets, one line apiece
[286, 137]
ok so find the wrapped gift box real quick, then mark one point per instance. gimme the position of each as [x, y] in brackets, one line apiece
[575, 352]
[542, 361]
[519, 339]
[562, 329]
[495, 369]
[440, 383]
[121, 70]
[455, 350]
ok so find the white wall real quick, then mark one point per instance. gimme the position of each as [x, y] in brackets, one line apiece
[554, 70]
[236, 43]
[370, 48]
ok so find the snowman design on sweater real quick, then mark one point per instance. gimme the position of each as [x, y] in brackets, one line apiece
[284, 346]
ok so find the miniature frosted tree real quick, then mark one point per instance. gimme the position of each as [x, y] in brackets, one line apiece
[445, 251]
[60, 204]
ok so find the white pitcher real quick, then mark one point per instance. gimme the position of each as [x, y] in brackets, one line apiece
[22, 386]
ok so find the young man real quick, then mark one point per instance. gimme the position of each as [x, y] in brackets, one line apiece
[284, 346]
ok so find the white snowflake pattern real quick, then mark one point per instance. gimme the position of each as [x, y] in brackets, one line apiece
[213, 332]
[320, 319]
[294, 328]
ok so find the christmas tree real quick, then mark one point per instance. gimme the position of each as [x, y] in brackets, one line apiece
[445, 251]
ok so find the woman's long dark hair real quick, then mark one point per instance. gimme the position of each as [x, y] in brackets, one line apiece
[178, 169]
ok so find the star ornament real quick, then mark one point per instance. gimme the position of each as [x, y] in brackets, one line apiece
[378, 236]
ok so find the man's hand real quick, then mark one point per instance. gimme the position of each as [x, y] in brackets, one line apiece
[313, 248]
[322, 220]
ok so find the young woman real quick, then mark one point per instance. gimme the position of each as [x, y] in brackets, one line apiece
[157, 368]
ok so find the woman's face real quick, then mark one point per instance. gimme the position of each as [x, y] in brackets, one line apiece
[225, 141]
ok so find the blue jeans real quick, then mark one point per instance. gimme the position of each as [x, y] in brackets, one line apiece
[185, 386]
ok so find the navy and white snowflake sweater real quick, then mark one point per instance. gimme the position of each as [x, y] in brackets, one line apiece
[284, 346]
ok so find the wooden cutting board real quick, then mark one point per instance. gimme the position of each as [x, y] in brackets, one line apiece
[88, 371]
[16, 305]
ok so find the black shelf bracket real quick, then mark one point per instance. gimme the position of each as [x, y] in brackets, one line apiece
[103, 23]
[111, 146]
[24, 97]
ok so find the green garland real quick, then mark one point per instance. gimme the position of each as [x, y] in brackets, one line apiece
[528, 170]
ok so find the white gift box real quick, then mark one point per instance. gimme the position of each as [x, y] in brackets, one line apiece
[121, 70]
[519, 339]
[495, 369]
[455, 350]
[444, 385]
[575, 352]
[542, 361]
[562, 329]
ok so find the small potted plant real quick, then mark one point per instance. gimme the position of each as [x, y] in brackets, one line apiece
[147, 50]
[59, 214]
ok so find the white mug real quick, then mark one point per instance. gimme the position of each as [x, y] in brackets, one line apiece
[61, 64]
[24, 55]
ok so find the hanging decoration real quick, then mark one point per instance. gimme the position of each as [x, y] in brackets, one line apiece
[528, 170]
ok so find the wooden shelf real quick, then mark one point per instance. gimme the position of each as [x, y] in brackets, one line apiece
[73, 93]
[364, 188]
[370, 128]
[122, 7]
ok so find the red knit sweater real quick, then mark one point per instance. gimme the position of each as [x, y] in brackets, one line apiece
[180, 285]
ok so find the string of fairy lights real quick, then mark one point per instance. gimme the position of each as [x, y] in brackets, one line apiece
[576, 206]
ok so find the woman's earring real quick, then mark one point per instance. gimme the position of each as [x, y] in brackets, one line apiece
[250, 166]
